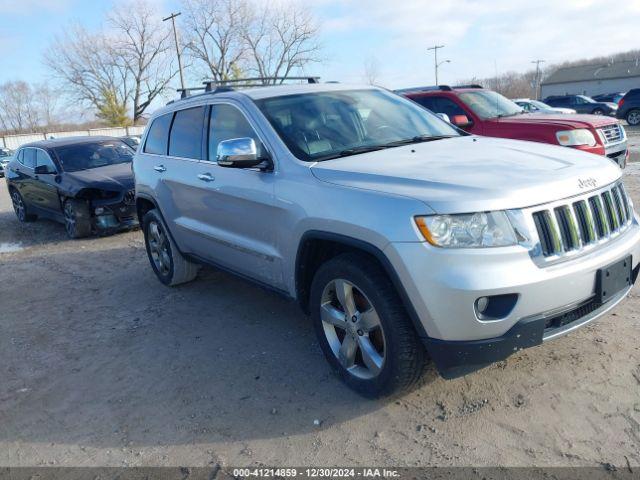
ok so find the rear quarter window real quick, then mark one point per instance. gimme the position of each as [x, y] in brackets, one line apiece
[158, 136]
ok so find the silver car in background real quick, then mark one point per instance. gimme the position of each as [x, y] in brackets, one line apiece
[536, 106]
[397, 233]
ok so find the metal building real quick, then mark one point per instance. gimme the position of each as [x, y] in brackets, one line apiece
[592, 79]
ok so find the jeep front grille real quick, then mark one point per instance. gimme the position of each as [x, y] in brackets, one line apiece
[611, 133]
[583, 222]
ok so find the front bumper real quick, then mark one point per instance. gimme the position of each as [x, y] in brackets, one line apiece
[444, 284]
[113, 217]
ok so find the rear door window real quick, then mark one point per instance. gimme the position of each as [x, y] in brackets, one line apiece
[185, 139]
[158, 136]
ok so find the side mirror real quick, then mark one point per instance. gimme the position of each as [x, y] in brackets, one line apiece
[444, 117]
[44, 170]
[461, 121]
[238, 153]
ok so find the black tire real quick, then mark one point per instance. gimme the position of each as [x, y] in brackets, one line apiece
[77, 218]
[633, 117]
[175, 268]
[404, 355]
[598, 111]
[20, 207]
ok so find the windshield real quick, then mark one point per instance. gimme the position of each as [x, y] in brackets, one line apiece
[540, 105]
[323, 125]
[84, 156]
[587, 99]
[488, 104]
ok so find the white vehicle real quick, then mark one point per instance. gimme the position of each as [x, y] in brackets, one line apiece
[397, 233]
[536, 106]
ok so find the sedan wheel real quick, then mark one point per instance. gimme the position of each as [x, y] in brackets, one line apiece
[352, 328]
[69, 219]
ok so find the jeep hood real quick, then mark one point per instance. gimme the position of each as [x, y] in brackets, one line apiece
[465, 174]
[562, 121]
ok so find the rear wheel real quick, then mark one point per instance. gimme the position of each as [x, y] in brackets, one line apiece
[20, 207]
[77, 218]
[169, 265]
[598, 111]
[633, 117]
[363, 328]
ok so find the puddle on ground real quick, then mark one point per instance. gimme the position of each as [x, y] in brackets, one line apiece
[10, 247]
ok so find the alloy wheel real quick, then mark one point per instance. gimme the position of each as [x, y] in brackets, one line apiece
[352, 328]
[159, 248]
[18, 206]
[69, 219]
[634, 118]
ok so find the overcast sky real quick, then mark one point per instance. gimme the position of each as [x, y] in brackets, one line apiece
[481, 36]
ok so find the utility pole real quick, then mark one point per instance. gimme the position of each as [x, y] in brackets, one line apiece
[172, 17]
[537, 79]
[435, 59]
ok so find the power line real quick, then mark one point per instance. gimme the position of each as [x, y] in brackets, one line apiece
[172, 17]
[537, 78]
[436, 65]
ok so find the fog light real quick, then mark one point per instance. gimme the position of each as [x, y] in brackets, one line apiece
[495, 307]
[481, 304]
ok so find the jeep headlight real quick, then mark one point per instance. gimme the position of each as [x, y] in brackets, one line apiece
[469, 230]
[572, 138]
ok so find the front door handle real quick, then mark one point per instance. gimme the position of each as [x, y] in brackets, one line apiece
[160, 168]
[206, 177]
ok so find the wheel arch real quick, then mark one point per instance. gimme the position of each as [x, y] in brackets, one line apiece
[316, 247]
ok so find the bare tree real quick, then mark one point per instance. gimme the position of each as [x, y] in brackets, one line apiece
[280, 38]
[141, 45]
[47, 101]
[18, 112]
[89, 66]
[371, 70]
[215, 39]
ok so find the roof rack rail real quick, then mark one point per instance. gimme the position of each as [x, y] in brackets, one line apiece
[228, 85]
[444, 88]
[470, 85]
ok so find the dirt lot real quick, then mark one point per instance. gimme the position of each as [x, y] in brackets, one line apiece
[102, 365]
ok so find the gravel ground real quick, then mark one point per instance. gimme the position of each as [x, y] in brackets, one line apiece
[102, 365]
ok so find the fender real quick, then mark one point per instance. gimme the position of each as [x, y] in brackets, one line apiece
[371, 250]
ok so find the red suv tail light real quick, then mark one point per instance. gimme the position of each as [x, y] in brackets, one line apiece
[620, 102]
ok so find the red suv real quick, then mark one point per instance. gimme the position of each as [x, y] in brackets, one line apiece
[484, 112]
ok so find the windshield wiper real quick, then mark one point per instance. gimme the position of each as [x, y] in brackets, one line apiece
[418, 139]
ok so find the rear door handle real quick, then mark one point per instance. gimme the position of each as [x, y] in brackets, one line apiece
[160, 168]
[206, 177]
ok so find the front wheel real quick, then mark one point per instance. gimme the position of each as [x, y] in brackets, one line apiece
[633, 118]
[598, 111]
[77, 218]
[363, 328]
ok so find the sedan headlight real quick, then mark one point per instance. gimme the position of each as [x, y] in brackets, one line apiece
[572, 138]
[469, 230]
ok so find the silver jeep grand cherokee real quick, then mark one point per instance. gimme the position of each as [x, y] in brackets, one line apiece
[400, 235]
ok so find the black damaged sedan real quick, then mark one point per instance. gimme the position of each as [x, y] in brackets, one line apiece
[84, 182]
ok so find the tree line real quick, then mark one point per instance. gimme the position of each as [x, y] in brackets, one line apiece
[117, 72]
